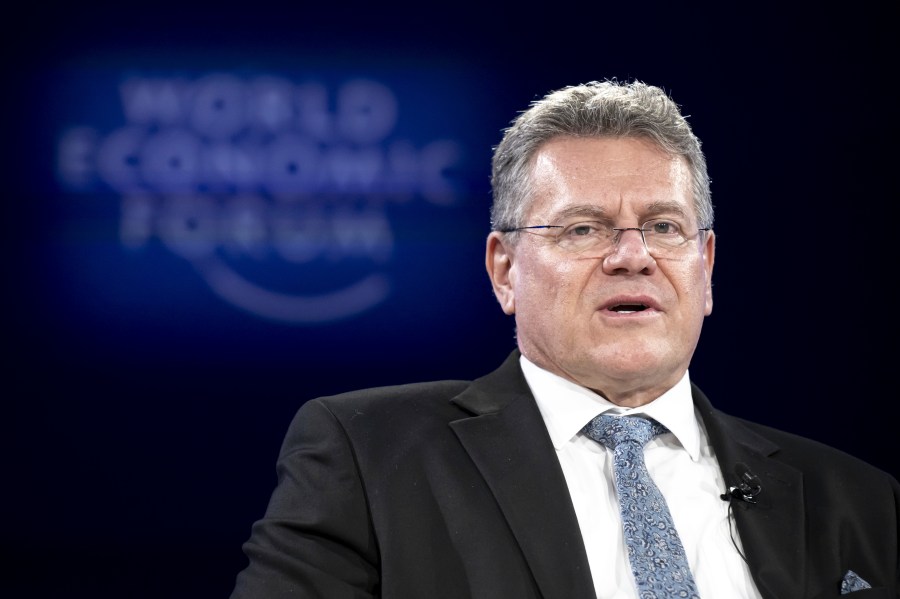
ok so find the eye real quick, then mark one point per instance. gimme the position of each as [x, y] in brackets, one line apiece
[663, 227]
[583, 229]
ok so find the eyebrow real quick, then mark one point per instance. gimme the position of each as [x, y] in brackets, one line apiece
[651, 210]
[667, 207]
[582, 210]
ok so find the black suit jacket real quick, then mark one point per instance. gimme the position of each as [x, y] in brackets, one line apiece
[453, 489]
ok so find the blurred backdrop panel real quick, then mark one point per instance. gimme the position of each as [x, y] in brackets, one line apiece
[186, 202]
[215, 213]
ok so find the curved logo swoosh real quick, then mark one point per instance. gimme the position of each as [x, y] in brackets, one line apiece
[325, 307]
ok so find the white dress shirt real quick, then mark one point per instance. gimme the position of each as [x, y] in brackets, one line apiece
[682, 464]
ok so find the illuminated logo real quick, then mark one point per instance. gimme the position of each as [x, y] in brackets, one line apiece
[278, 192]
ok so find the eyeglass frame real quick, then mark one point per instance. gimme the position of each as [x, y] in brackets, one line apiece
[618, 230]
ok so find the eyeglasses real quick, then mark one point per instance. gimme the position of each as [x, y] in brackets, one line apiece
[663, 238]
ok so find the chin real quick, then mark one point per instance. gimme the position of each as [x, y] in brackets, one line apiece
[632, 360]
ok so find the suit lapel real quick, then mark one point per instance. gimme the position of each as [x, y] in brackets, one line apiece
[508, 442]
[772, 531]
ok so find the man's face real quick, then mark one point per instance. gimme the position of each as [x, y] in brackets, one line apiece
[570, 310]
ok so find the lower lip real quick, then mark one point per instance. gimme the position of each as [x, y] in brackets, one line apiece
[649, 312]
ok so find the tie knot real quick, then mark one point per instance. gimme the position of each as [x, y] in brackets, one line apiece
[613, 430]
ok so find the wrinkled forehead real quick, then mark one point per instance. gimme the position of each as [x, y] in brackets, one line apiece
[607, 177]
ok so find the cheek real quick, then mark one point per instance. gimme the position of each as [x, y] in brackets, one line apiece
[693, 293]
[555, 287]
[549, 288]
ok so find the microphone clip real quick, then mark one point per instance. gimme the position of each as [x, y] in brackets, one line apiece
[748, 488]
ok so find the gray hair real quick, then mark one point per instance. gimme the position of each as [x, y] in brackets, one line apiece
[595, 109]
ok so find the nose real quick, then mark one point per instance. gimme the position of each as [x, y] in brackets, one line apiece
[620, 233]
[629, 254]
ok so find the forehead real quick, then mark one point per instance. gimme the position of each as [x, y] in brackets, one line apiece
[612, 176]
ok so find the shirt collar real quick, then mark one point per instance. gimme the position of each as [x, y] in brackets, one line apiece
[567, 407]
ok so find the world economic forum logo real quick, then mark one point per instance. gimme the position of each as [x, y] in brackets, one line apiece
[249, 176]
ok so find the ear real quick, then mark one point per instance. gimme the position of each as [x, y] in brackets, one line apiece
[499, 262]
[709, 258]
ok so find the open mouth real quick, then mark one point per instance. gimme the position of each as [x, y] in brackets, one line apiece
[628, 308]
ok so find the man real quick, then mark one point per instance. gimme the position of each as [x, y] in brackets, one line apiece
[602, 249]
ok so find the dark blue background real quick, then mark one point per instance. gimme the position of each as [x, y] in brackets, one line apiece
[144, 415]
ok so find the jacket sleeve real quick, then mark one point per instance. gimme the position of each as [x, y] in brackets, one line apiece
[315, 540]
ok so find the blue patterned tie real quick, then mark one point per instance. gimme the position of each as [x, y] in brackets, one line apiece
[657, 557]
